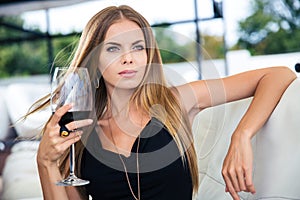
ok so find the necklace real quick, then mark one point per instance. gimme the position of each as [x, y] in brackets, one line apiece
[138, 197]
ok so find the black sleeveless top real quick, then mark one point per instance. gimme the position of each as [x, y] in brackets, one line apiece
[164, 174]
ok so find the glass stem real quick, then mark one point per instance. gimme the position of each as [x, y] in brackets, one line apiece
[72, 160]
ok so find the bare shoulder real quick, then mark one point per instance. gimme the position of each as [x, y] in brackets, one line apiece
[190, 94]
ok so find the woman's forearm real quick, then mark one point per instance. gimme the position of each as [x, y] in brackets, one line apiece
[49, 175]
[267, 95]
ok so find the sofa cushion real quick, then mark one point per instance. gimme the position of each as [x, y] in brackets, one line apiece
[20, 174]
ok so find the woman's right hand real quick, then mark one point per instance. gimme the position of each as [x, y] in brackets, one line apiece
[52, 145]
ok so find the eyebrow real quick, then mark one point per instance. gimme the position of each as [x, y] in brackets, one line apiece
[112, 43]
[138, 41]
[117, 44]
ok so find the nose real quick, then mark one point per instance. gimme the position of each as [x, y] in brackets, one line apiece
[127, 58]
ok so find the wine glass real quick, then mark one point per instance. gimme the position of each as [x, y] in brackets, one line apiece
[71, 85]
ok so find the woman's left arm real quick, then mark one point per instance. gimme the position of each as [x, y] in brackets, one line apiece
[267, 91]
[266, 86]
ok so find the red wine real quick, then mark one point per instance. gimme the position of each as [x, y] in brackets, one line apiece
[73, 116]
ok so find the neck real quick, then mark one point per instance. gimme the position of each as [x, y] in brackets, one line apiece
[119, 100]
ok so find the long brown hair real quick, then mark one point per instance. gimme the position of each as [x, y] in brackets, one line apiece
[153, 89]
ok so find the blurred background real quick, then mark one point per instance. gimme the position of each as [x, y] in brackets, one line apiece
[232, 36]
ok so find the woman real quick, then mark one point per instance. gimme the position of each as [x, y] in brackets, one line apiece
[141, 145]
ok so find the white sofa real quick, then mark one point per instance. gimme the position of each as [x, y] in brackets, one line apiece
[276, 148]
[19, 176]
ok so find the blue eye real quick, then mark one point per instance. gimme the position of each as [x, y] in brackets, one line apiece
[112, 49]
[139, 47]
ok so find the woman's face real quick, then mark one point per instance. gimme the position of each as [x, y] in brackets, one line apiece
[123, 56]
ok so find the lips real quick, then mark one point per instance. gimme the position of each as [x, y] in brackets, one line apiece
[127, 73]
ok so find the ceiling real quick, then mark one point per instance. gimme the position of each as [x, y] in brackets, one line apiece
[17, 7]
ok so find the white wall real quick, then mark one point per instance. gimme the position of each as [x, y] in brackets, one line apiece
[237, 61]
